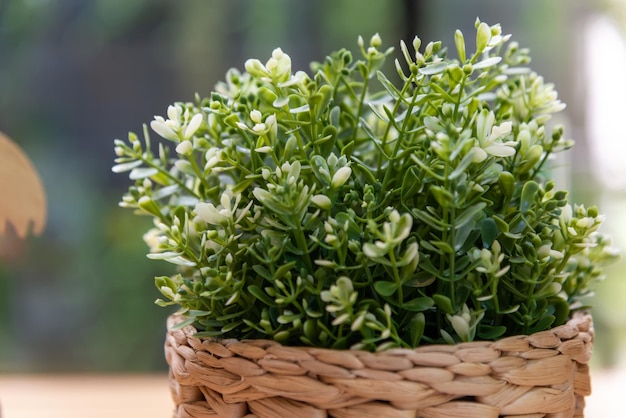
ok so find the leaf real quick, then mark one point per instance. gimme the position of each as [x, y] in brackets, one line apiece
[165, 192]
[490, 332]
[416, 328]
[421, 279]
[444, 303]
[529, 193]
[443, 196]
[462, 167]
[443, 246]
[142, 173]
[184, 323]
[488, 231]
[489, 62]
[561, 311]
[418, 304]
[446, 96]
[543, 324]
[120, 168]
[469, 214]
[385, 288]
[282, 270]
[428, 219]
[435, 68]
[262, 271]
[378, 114]
[388, 85]
[260, 295]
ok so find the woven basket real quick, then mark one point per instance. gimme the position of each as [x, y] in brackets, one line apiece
[545, 374]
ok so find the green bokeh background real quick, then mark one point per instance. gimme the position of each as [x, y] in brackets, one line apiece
[75, 74]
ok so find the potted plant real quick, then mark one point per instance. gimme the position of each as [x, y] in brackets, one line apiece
[361, 242]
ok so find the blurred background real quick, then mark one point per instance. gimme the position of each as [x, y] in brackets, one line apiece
[75, 74]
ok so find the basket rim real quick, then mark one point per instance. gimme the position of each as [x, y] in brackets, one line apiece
[542, 373]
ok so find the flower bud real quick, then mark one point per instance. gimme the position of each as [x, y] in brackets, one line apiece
[185, 148]
[341, 176]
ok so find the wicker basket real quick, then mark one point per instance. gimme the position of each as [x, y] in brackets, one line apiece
[545, 374]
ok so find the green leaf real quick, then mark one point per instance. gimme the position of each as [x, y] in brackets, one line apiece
[529, 195]
[184, 323]
[428, 219]
[385, 288]
[421, 279]
[418, 304]
[443, 196]
[488, 231]
[416, 328]
[543, 324]
[432, 69]
[261, 295]
[262, 271]
[444, 303]
[470, 214]
[282, 270]
[561, 311]
[507, 183]
[446, 96]
[490, 332]
[443, 246]
[388, 85]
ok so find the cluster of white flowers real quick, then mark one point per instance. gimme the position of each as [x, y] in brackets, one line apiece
[179, 127]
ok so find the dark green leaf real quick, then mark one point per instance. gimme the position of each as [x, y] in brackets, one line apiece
[421, 279]
[260, 295]
[184, 323]
[543, 324]
[472, 213]
[488, 231]
[416, 328]
[444, 303]
[443, 196]
[489, 332]
[385, 288]
[418, 304]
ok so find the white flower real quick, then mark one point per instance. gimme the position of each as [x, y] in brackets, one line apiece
[341, 176]
[212, 215]
[490, 137]
[193, 125]
[321, 201]
[184, 148]
[160, 126]
[153, 239]
[256, 116]
[278, 67]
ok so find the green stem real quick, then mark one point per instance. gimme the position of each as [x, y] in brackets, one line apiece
[396, 276]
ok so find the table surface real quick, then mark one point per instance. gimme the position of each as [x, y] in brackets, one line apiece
[120, 396]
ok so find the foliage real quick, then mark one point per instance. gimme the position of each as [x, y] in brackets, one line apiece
[344, 209]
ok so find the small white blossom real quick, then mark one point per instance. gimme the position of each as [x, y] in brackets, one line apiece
[341, 176]
[185, 148]
[159, 126]
[193, 125]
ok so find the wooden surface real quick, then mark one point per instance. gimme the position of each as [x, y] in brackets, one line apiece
[125, 396]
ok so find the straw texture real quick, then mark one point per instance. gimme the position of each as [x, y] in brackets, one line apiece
[541, 375]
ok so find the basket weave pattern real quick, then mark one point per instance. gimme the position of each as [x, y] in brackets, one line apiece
[545, 374]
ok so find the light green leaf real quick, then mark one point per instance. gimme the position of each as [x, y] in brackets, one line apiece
[435, 68]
